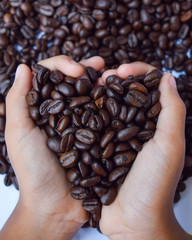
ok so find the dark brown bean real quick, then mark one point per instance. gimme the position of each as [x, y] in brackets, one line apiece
[69, 159]
[124, 158]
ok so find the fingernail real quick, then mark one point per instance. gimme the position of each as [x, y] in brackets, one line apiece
[173, 83]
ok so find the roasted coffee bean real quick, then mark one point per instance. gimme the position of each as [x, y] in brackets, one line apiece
[95, 151]
[43, 109]
[95, 122]
[67, 142]
[145, 135]
[56, 95]
[107, 138]
[83, 86]
[49, 131]
[100, 102]
[63, 123]
[127, 133]
[117, 173]
[72, 174]
[69, 159]
[124, 158]
[34, 112]
[131, 114]
[92, 74]
[55, 107]
[108, 150]
[56, 76]
[140, 117]
[42, 75]
[76, 120]
[135, 144]
[152, 79]
[117, 125]
[98, 169]
[78, 101]
[66, 89]
[105, 117]
[85, 116]
[136, 98]
[98, 91]
[54, 144]
[100, 190]
[109, 196]
[84, 169]
[113, 107]
[86, 158]
[154, 110]
[46, 91]
[155, 96]
[91, 205]
[82, 146]
[122, 147]
[32, 98]
[85, 136]
[90, 181]
[139, 87]
[79, 193]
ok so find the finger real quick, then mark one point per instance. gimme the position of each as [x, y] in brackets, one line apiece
[64, 64]
[171, 121]
[17, 113]
[95, 62]
[108, 73]
[135, 68]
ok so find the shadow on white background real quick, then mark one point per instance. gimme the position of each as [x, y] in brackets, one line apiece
[183, 210]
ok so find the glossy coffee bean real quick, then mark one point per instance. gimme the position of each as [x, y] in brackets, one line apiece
[124, 158]
[109, 196]
[136, 98]
[32, 98]
[91, 205]
[79, 192]
[90, 181]
[127, 133]
[85, 136]
[69, 159]
[117, 173]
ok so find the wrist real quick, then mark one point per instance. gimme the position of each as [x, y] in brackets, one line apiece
[32, 223]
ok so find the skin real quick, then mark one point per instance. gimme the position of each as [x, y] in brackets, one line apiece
[143, 208]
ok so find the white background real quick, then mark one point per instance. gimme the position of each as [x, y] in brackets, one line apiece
[183, 210]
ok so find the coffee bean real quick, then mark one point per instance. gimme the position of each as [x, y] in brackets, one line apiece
[69, 159]
[66, 89]
[136, 98]
[86, 158]
[108, 150]
[46, 91]
[117, 173]
[139, 87]
[98, 169]
[105, 117]
[54, 144]
[124, 158]
[90, 181]
[78, 101]
[107, 138]
[56, 76]
[109, 196]
[145, 135]
[113, 107]
[85, 136]
[72, 174]
[63, 123]
[127, 133]
[154, 110]
[83, 86]
[79, 193]
[95, 122]
[152, 79]
[122, 147]
[55, 106]
[91, 205]
[67, 142]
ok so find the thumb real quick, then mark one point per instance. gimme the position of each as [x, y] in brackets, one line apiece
[171, 121]
[17, 114]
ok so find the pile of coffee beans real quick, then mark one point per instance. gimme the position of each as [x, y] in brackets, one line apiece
[154, 31]
[95, 130]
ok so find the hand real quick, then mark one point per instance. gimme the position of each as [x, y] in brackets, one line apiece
[143, 208]
[45, 209]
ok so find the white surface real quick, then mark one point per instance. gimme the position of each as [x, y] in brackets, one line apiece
[183, 210]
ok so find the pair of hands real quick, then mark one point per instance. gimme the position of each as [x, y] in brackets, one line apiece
[143, 208]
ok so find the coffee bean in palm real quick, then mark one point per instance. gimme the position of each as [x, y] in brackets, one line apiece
[55, 107]
[69, 159]
[152, 79]
[79, 192]
[117, 173]
[32, 98]
[91, 205]
[56, 76]
[124, 158]
[95, 122]
[109, 196]
[83, 86]
[90, 181]
[127, 133]
[136, 98]
[98, 169]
